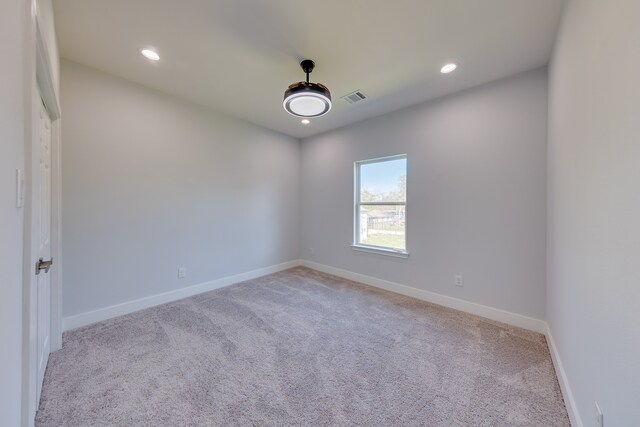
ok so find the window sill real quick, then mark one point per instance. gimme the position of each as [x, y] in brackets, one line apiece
[381, 251]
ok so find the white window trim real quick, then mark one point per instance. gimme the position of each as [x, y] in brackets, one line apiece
[380, 250]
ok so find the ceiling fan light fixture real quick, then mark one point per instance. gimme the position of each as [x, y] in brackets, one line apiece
[306, 99]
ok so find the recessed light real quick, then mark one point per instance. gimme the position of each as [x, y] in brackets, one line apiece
[150, 54]
[448, 68]
[305, 121]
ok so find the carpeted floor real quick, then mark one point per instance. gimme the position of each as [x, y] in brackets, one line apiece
[301, 348]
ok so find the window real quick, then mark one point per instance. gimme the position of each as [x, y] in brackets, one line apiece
[381, 205]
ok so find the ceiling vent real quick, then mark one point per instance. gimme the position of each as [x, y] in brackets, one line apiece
[355, 97]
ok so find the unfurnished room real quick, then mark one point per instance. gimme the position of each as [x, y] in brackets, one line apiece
[335, 213]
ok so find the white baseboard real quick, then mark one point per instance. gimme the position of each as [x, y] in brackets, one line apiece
[87, 318]
[455, 303]
[83, 319]
[567, 394]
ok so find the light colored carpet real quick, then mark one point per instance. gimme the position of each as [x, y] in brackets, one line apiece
[301, 348]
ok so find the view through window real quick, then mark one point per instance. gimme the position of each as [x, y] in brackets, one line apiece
[381, 203]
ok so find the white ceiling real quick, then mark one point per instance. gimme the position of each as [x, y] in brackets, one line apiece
[238, 56]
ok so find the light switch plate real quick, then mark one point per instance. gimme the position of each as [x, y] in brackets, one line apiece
[19, 188]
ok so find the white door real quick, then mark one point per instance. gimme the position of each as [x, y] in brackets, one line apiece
[42, 237]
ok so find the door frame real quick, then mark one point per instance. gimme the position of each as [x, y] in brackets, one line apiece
[39, 82]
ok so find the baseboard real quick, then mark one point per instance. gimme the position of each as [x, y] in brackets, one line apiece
[567, 394]
[87, 318]
[447, 301]
[84, 319]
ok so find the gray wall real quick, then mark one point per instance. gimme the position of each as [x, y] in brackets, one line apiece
[13, 20]
[152, 183]
[594, 206]
[476, 194]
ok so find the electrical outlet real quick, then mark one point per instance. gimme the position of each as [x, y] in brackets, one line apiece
[182, 272]
[458, 280]
[599, 417]
[312, 251]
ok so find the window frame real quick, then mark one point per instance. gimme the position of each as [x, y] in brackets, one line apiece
[357, 203]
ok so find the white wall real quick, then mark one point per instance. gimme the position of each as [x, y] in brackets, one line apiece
[152, 183]
[594, 206]
[13, 21]
[476, 194]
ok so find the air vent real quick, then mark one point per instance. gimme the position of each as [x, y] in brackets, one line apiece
[354, 97]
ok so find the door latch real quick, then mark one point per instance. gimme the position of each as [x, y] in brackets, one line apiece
[43, 265]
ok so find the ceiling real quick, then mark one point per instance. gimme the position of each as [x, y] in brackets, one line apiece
[238, 56]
